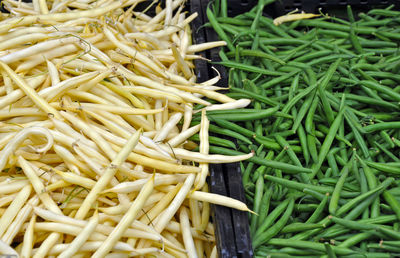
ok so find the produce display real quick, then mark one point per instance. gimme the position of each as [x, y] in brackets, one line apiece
[323, 123]
[96, 106]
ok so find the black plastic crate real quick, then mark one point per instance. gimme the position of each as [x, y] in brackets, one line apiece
[226, 178]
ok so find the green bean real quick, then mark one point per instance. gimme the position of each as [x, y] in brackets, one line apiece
[392, 234]
[338, 188]
[276, 41]
[333, 33]
[257, 202]
[294, 87]
[381, 126]
[248, 68]
[311, 142]
[279, 79]
[370, 255]
[387, 139]
[358, 210]
[380, 220]
[272, 144]
[299, 186]
[291, 29]
[383, 22]
[246, 173]
[272, 216]
[333, 232]
[283, 133]
[329, 251]
[217, 27]
[222, 56]
[392, 243]
[325, 130]
[292, 102]
[361, 198]
[343, 142]
[234, 112]
[313, 55]
[383, 246]
[353, 224]
[258, 173]
[386, 208]
[233, 21]
[318, 212]
[381, 88]
[298, 227]
[322, 87]
[237, 95]
[257, 53]
[273, 230]
[303, 110]
[387, 152]
[327, 142]
[224, 8]
[333, 181]
[317, 195]
[269, 24]
[338, 27]
[230, 29]
[284, 144]
[384, 12]
[310, 115]
[365, 66]
[288, 168]
[234, 127]
[393, 203]
[384, 75]
[354, 40]
[383, 167]
[365, 17]
[350, 14]
[372, 101]
[299, 65]
[364, 188]
[264, 207]
[245, 116]
[303, 143]
[358, 137]
[307, 234]
[215, 140]
[355, 239]
[297, 51]
[230, 133]
[308, 245]
[281, 254]
[244, 148]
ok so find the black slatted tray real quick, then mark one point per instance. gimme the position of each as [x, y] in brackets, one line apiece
[231, 226]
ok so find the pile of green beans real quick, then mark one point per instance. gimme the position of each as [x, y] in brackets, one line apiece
[326, 174]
